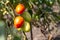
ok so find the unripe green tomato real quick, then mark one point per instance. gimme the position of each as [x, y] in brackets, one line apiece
[49, 2]
[2, 23]
[26, 16]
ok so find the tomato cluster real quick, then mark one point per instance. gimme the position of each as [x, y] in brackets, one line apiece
[19, 21]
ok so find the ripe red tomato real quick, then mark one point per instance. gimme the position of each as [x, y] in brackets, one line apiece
[20, 8]
[18, 22]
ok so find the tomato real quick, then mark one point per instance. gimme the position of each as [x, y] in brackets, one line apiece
[49, 2]
[20, 9]
[26, 26]
[18, 22]
[26, 16]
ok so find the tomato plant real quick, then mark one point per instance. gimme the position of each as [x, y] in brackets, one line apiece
[38, 13]
[20, 8]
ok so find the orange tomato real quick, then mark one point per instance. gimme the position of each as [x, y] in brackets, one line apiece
[18, 22]
[20, 9]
